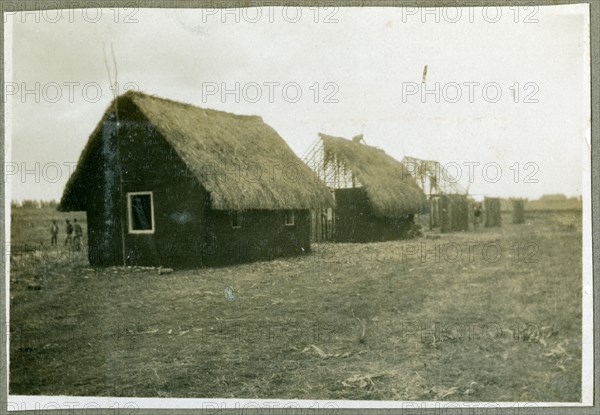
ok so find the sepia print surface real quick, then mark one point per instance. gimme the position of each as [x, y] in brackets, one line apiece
[297, 203]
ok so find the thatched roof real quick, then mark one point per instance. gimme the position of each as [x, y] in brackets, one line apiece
[206, 137]
[391, 190]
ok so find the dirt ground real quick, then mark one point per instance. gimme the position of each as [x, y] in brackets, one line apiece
[491, 315]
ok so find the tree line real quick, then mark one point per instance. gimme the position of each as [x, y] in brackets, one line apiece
[32, 203]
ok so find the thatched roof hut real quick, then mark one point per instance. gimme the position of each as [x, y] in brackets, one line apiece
[391, 190]
[216, 146]
[432, 177]
[167, 183]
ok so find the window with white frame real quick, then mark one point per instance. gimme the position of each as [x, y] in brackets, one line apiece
[290, 218]
[140, 212]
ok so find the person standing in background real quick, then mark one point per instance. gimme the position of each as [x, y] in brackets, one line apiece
[78, 235]
[476, 216]
[69, 239]
[54, 233]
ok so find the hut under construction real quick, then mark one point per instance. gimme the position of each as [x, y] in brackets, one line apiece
[375, 198]
[168, 183]
[449, 207]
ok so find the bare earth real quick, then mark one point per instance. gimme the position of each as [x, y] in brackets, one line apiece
[348, 321]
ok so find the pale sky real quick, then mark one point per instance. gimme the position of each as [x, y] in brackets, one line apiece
[365, 57]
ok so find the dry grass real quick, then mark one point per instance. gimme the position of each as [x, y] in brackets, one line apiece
[31, 226]
[338, 324]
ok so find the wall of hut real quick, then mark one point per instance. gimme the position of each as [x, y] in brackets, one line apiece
[259, 235]
[493, 212]
[187, 232]
[518, 210]
[322, 225]
[355, 220]
[102, 202]
[454, 213]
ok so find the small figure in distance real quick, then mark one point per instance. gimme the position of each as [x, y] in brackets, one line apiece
[54, 233]
[476, 216]
[77, 240]
[69, 239]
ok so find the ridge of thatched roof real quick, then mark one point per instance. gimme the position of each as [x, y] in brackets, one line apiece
[391, 190]
[229, 142]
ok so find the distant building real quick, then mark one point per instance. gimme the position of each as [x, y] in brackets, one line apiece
[556, 202]
[557, 197]
[167, 183]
